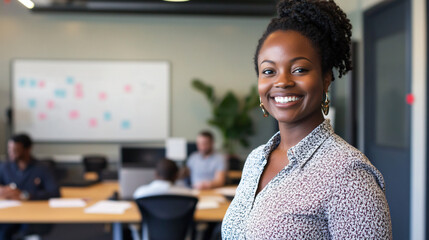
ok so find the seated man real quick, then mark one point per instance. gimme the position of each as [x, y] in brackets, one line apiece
[23, 178]
[207, 168]
[166, 174]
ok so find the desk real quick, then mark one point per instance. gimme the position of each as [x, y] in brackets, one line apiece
[234, 174]
[40, 212]
[104, 190]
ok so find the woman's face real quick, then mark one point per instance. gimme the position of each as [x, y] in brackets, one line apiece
[291, 82]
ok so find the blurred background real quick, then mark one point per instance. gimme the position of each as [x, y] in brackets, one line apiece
[380, 107]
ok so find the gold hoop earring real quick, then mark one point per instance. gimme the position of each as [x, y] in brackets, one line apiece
[264, 111]
[325, 103]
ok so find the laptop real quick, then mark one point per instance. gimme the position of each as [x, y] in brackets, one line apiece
[132, 178]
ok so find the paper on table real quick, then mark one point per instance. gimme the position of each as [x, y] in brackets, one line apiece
[209, 198]
[9, 203]
[207, 204]
[176, 149]
[66, 202]
[108, 207]
[227, 191]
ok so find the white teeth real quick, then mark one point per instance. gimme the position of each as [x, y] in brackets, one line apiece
[286, 99]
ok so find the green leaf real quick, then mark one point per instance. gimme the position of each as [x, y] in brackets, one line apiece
[230, 114]
[244, 142]
[227, 110]
[206, 89]
[252, 100]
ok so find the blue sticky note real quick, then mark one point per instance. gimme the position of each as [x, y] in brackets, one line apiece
[33, 82]
[32, 103]
[22, 82]
[70, 80]
[60, 93]
[125, 124]
[107, 116]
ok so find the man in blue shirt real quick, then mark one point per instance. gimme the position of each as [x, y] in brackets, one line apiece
[23, 178]
[207, 167]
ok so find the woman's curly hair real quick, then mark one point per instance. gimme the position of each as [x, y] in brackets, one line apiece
[323, 22]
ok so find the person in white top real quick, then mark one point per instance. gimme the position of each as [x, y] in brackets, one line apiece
[165, 176]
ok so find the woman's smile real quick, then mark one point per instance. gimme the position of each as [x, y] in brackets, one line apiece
[284, 100]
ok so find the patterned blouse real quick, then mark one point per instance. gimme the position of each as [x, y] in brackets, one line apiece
[329, 190]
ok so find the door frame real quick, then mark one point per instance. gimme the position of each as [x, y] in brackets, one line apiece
[408, 59]
[427, 129]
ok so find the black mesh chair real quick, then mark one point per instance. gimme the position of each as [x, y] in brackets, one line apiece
[167, 217]
[27, 230]
[95, 163]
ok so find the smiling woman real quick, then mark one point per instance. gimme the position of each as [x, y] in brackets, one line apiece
[291, 82]
[306, 182]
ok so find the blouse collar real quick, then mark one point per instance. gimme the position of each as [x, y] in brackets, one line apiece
[302, 152]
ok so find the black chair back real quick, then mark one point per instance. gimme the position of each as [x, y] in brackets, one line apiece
[167, 217]
[94, 163]
[57, 172]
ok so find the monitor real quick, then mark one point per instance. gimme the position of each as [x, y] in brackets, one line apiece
[191, 147]
[141, 157]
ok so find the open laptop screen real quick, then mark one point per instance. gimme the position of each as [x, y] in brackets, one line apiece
[132, 178]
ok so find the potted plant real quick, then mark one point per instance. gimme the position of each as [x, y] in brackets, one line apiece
[230, 114]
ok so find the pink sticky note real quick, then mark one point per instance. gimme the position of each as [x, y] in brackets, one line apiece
[102, 96]
[127, 88]
[50, 104]
[42, 116]
[78, 86]
[74, 114]
[78, 94]
[42, 84]
[93, 122]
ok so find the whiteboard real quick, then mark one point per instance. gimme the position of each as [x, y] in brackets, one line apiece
[94, 101]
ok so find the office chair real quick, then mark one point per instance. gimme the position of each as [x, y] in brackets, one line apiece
[95, 163]
[32, 231]
[167, 217]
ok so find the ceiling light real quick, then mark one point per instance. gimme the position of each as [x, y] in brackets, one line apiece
[28, 3]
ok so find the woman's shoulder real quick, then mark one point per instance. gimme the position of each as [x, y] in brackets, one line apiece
[340, 150]
[344, 158]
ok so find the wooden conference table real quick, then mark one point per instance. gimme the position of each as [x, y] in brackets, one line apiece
[40, 212]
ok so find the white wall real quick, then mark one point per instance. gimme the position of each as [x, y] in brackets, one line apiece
[219, 50]
[418, 120]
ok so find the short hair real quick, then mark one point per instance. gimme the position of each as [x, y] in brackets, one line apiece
[207, 134]
[166, 169]
[23, 139]
[321, 21]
